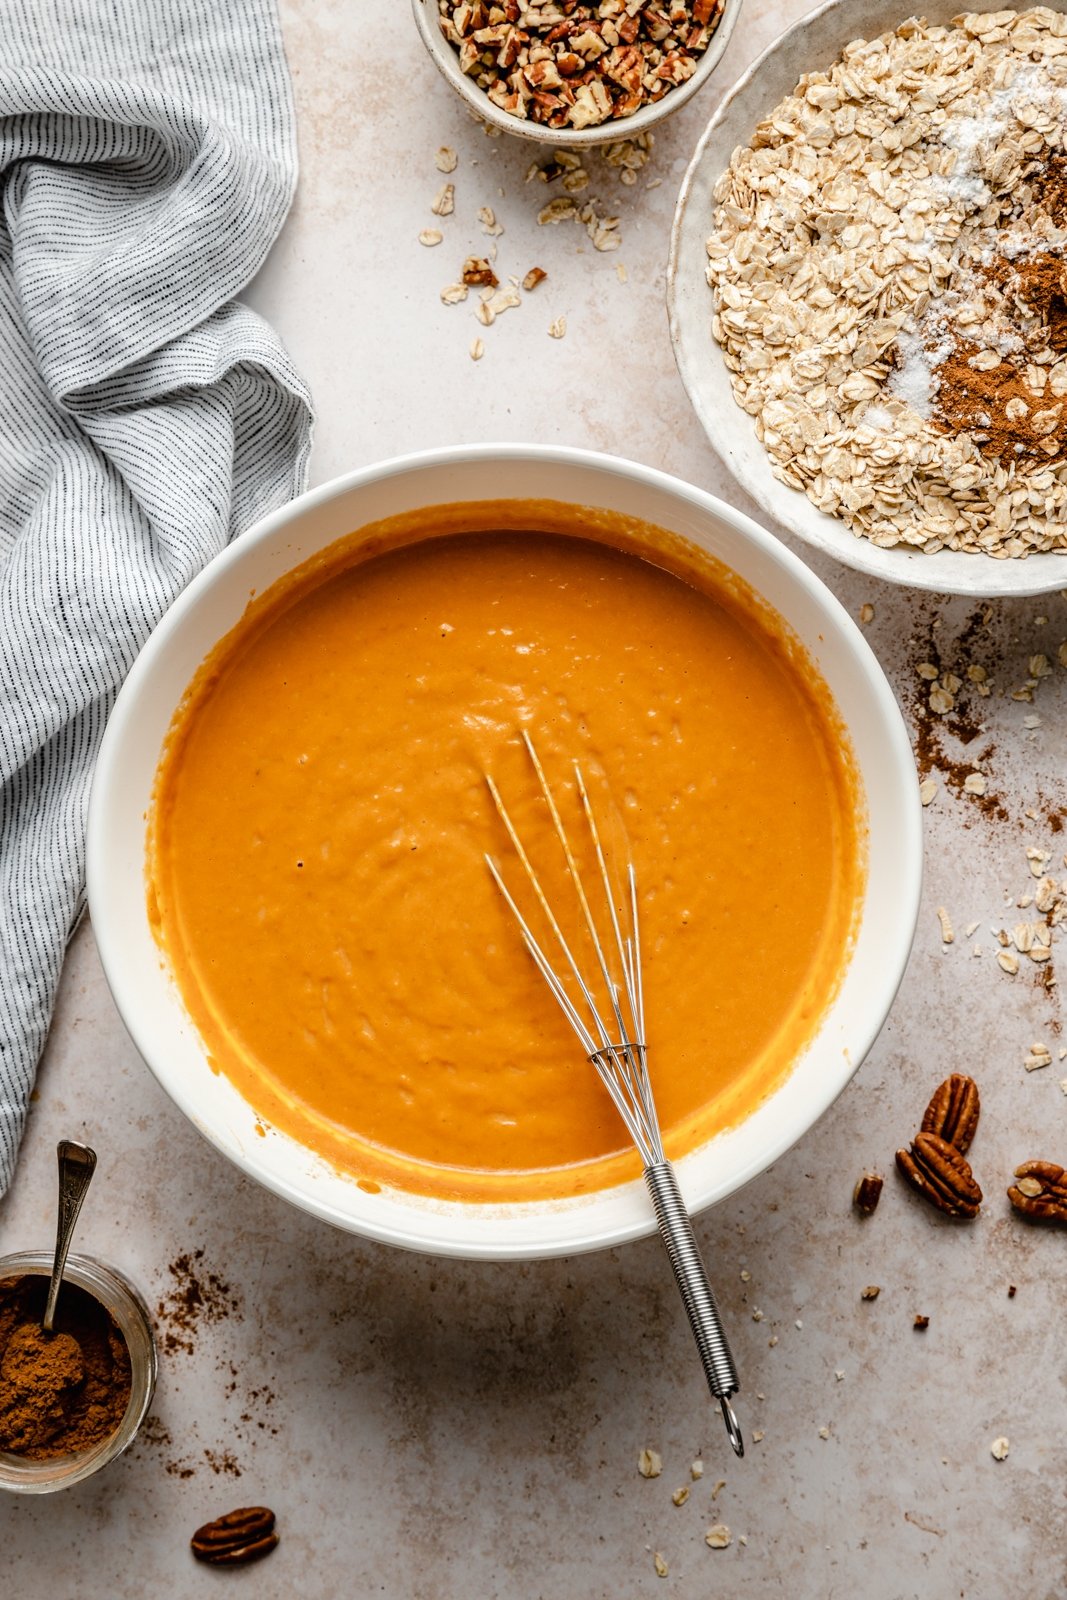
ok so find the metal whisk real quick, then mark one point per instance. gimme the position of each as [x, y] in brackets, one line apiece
[613, 1037]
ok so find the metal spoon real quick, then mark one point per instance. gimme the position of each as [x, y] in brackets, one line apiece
[77, 1164]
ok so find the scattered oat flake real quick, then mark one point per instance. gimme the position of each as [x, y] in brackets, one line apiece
[487, 218]
[772, 1341]
[453, 293]
[872, 1291]
[1039, 666]
[1039, 1057]
[696, 1470]
[1063, 1085]
[927, 670]
[444, 201]
[974, 783]
[746, 1276]
[1008, 962]
[999, 1448]
[621, 272]
[430, 236]
[1037, 860]
[717, 1536]
[680, 1496]
[649, 1464]
[446, 159]
[941, 701]
[757, 1315]
[927, 791]
[500, 301]
[947, 935]
[1031, 720]
[757, 1435]
[477, 349]
[824, 1433]
[557, 329]
[561, 209]
[866, 612]
[660, 1563]
[798, 1324]
[839, 1375]
[535, 276]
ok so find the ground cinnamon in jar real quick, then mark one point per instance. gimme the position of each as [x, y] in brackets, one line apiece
[64, 1391]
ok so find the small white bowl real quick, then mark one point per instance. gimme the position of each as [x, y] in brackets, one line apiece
[813, 43]
[149, 1002]
[446, 60]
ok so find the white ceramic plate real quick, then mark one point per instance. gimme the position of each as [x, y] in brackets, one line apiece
[213, 603]
[813, 43]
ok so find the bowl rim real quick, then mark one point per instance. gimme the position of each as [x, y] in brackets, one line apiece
[109, 929]
[447, 63]
[698, 356]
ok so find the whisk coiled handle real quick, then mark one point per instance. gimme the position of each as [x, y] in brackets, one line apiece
[676, 1231]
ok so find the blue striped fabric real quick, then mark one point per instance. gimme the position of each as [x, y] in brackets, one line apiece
[148, 159]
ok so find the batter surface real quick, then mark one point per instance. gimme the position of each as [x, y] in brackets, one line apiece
[316, 851]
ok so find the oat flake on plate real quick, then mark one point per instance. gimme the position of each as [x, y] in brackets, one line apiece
[890, 294]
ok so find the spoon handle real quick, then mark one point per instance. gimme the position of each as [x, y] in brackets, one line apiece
[76, 1166]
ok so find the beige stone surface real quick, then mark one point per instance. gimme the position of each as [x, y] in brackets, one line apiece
[428, 1430]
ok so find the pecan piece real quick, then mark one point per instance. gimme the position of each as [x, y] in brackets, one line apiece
[477, 273]
[867, 1193]
[953, 1111]
[941, 1174]
[1041, 1191]
[240, 1536]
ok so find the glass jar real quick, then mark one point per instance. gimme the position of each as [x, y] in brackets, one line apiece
[125, 1305]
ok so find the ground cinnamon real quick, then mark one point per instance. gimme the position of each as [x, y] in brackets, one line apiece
[64, 1391]
[1008, 415]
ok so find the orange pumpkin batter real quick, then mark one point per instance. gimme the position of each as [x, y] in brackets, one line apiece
[317, 843]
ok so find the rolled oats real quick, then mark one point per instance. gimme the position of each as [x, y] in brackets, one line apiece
[863, 251]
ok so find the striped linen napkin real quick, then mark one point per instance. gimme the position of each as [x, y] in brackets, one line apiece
[148, 159]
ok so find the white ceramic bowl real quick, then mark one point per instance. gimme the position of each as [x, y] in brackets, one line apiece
[813, 43]
[447, 62]
[149, 1002]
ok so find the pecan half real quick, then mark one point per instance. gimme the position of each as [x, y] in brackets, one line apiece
[240, 1536]
[941, 1174]
[1041, 1191]
[953, 1111]
[867, 1193]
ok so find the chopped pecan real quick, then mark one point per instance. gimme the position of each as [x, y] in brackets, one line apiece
[1041, 1191]
[941, 1174]
[238, 1537]
[953, 1111]
[921, 1322]
[867, 1193]
[478, 273]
